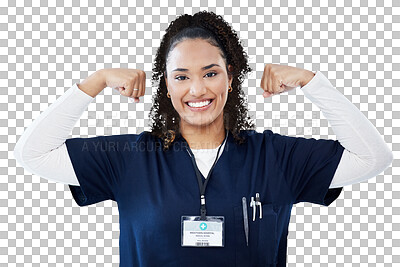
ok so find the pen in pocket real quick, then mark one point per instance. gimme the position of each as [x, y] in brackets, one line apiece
[245, 220]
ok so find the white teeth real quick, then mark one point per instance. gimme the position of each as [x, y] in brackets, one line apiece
[199, 104]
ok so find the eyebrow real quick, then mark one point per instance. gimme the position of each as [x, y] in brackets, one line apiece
[203, 68]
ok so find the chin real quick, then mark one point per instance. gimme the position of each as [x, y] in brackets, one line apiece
[200, 123]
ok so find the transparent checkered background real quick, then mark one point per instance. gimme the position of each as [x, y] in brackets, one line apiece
[45, 48]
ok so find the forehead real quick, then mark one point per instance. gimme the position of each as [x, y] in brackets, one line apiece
[194, 54]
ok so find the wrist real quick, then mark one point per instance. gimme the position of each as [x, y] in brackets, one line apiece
[308, 76]
[93, 84]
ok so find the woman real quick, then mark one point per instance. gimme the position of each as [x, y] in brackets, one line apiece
[203, 188]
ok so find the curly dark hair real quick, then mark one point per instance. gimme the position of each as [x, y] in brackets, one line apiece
[215, 30]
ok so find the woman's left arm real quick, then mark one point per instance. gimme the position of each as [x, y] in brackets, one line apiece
[366, 154]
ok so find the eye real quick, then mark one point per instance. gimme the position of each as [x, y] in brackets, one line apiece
[177, 77]
[212, 73]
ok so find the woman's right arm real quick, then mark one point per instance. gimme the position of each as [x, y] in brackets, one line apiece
[41, 149]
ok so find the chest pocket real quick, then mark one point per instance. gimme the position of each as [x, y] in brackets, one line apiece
[263, 242]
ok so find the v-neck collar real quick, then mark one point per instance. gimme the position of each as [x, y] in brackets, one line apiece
[227, 140]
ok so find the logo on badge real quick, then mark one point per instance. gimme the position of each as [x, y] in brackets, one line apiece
[203, 226]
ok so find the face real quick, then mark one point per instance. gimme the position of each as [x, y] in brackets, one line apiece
[197, 73]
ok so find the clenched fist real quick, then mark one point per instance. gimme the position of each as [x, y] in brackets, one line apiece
[129, 82]
[277, 79]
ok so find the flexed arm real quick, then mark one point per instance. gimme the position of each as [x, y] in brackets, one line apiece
[366, 154]
[41, 148]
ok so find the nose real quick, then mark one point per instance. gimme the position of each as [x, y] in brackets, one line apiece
[198, 88]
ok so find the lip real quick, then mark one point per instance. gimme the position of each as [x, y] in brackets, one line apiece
[201, 100]
[202, 108]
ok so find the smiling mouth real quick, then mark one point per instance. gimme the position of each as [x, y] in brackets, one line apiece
[187, 103]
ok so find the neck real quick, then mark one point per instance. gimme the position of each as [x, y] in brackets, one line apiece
[203, 137]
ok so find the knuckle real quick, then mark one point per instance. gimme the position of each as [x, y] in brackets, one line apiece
[131, 79]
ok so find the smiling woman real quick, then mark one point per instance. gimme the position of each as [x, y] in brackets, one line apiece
[200, 104]
[199, 67]
[201, 96]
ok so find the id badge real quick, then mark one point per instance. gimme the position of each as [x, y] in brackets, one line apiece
[202, 233]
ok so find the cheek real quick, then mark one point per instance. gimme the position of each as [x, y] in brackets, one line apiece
[177, 101]
[173, 102]
[223, 93]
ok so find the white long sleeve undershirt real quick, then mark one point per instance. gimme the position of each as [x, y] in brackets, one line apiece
[41, 149]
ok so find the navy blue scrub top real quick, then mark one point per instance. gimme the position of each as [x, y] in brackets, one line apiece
[154, 188]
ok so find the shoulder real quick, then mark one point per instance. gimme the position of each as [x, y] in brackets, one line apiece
[254, 135]
[119, 143]
[271, 136]
[144, 136]
[253, 138]
[268, 139]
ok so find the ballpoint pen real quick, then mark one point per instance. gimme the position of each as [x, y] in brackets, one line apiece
[253, 205]
[245, 220]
